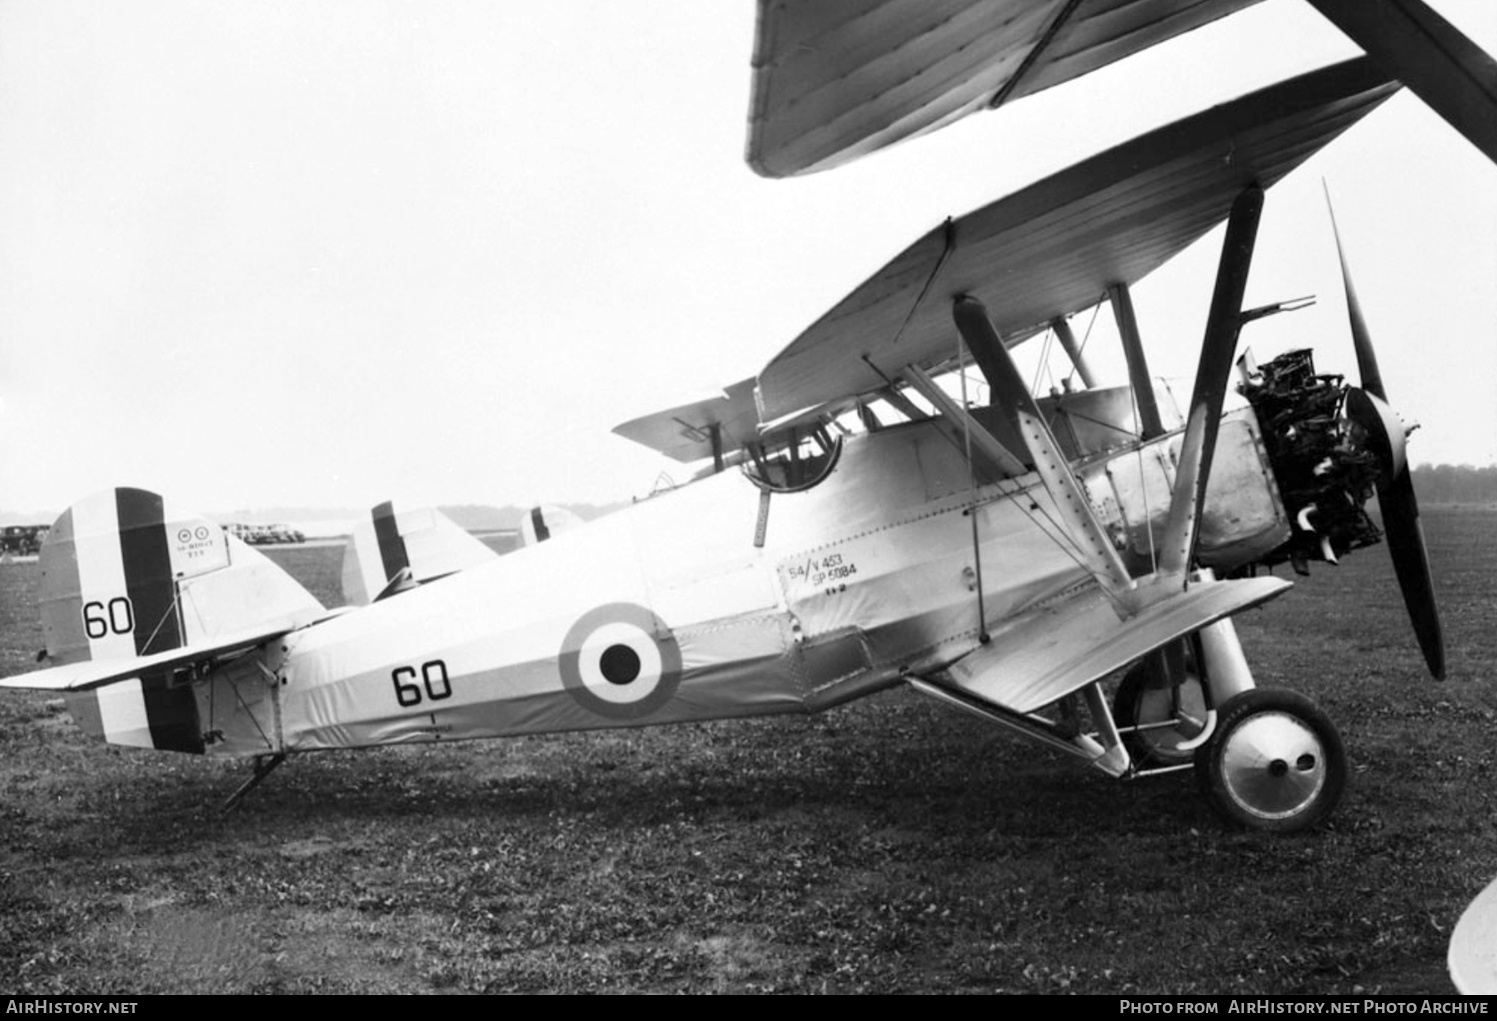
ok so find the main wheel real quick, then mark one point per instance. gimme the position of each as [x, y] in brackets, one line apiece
[1275, 761]
[1146, 697]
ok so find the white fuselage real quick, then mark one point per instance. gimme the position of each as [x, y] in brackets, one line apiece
[669, 611]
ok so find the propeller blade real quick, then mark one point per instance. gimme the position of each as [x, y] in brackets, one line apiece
[1395, 489]
[1405, 538]
[1372, 378]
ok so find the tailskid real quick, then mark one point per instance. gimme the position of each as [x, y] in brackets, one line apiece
[264, 765]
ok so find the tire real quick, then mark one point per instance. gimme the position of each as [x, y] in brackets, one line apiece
[1144, 698]
[1274, 763]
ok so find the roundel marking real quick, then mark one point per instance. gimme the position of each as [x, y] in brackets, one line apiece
[184, 535]
[620, 661]
[201, 533]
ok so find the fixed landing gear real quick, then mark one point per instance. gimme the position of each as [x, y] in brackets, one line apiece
[1161, 721]
[1268, 759]
[1274, 762]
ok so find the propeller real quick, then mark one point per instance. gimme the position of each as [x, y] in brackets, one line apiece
[1395, 487]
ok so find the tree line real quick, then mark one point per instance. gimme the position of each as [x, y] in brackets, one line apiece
[1455, 483]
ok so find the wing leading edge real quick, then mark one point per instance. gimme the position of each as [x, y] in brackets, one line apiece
[1053, 248]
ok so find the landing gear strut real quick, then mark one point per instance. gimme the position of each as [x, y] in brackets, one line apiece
[1268, 759]
[1161, 707]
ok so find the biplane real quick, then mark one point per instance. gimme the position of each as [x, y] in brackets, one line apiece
[855, 523]
[833, 83]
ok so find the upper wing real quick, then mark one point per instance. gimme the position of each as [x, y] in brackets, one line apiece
[833, 81]
[1053, 248]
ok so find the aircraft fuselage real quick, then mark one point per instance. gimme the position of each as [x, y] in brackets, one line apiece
[671, 610]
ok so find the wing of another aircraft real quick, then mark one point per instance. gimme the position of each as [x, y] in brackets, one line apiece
[1053, 248]
[692, 431]
[833, 81]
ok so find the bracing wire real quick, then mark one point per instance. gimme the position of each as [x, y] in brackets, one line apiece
[1044, 365]
[1081, 348]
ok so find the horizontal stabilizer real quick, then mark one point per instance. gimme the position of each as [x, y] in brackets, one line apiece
[1048, 653]
[96, 673]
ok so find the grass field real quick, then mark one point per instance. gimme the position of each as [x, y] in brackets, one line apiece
[891, 845]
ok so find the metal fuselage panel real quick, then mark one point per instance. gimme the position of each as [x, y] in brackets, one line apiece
[667, 611]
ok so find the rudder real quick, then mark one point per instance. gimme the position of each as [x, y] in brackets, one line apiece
[125, 575]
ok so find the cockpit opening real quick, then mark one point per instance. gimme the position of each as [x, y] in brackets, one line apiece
[793, 461]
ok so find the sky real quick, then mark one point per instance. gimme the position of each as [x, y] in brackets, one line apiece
[327, 254]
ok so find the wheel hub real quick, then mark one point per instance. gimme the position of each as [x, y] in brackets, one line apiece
[1273, 765]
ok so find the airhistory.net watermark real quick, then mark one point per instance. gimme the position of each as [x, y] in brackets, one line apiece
[22, 1005]
[1263, 1005]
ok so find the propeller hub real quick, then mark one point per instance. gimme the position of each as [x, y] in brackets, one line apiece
[1383, 431]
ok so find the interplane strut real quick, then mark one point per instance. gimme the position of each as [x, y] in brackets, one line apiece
[1223, 323]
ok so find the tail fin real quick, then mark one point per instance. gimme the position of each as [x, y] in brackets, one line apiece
[124, 576]
[389, 552]
[543, 522]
